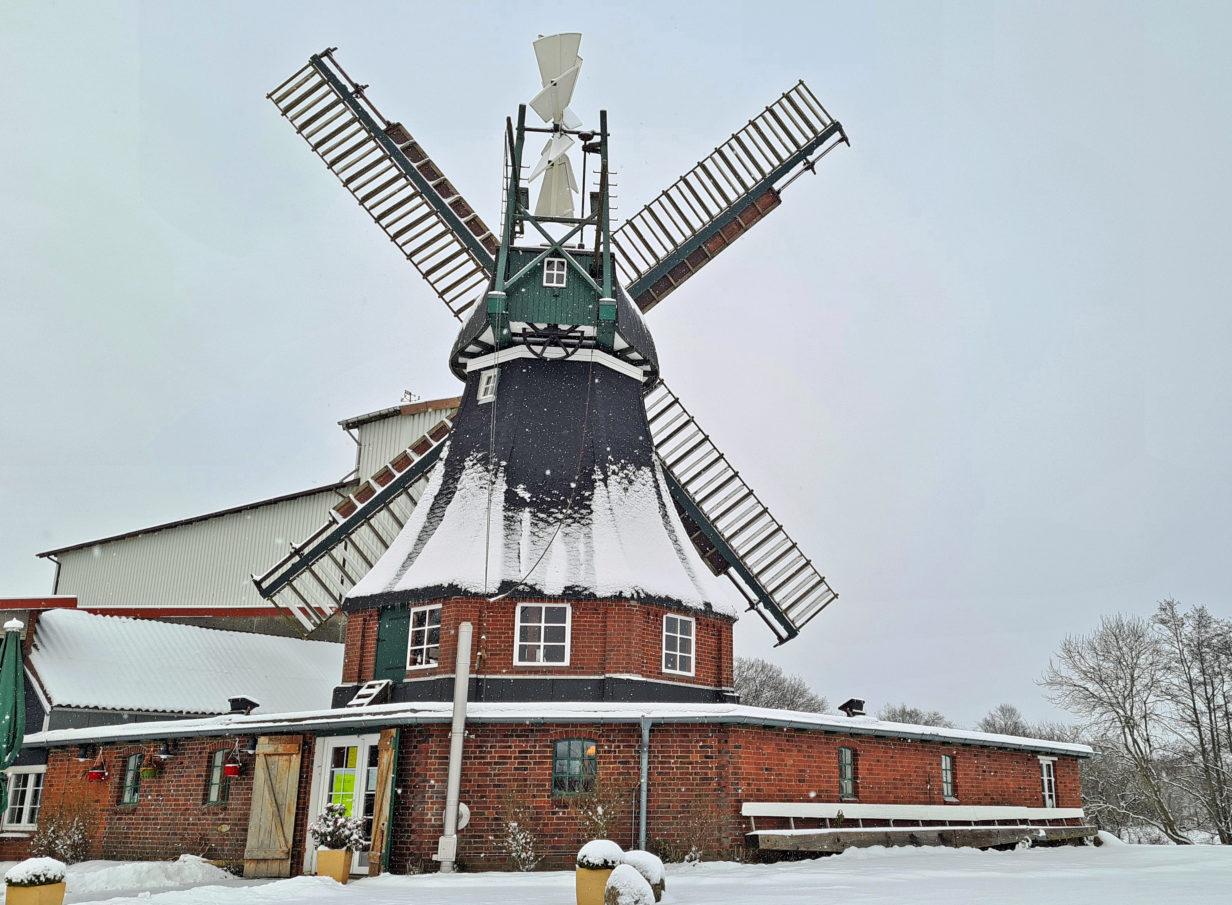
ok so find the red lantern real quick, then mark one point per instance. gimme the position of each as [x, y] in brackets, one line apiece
[232, 769]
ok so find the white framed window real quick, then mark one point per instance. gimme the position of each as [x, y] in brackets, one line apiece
[678, 651]
[1048, 780]
[487, 385]
[25, 794]
[424, 647]
[949, 791]
[555, 271]
[542, 632]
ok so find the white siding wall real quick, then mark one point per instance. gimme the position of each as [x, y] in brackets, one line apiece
[199, 564]
[380, 441]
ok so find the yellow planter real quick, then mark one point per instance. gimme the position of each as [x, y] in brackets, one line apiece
[334, 863]
[47, 894]
[590, 885]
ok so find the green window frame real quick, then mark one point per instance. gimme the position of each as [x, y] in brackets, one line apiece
[575, 767]
[949, 790]
[848, 780]
[217, 785]
[131, 785]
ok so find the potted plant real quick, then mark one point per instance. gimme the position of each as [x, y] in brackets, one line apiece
[336, 837]
[97, 772]
[35, 881]
[150, 766]
[232, 767]
[595, 862]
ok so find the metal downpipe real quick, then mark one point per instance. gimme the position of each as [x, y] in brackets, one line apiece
[447, 845]
[644, 787]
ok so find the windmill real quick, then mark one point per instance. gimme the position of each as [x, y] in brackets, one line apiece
[509, 317]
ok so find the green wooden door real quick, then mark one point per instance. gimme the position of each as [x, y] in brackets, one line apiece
[391, 641]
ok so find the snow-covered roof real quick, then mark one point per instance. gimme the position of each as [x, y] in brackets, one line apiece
[383, 715]
[115, 663]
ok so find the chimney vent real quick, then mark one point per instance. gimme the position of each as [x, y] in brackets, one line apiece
[243, 704]
[852, 707]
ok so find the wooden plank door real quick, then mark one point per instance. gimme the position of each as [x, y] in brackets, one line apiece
[271, 820]
[386, 758]
[392, 636]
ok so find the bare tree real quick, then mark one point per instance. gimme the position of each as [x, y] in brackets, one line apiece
[1114, 678]
[1196, 688]
[761, 683]
[905, 713]
[1005, 719]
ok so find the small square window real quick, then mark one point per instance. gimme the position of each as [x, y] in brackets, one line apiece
[542, 635]
[554, 272]
[487, 385]
[678, 645]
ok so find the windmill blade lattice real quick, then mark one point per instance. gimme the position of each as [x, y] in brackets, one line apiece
[311, 580]
[392, 178]
[732, 529]
[713, 204]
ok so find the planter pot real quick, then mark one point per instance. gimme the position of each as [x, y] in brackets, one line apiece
[590, 885]
[336, 863]
[149, 772]
[47, 894]
[231, 770]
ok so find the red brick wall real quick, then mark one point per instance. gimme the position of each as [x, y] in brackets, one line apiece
[699, 776]
[607, 637]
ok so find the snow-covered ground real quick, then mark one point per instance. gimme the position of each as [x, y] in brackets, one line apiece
[1109, 875]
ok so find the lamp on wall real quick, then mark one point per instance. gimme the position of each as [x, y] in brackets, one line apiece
[86, 752]
[167, 749]
[250, 745]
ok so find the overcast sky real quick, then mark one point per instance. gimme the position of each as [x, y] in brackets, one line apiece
[979, 366]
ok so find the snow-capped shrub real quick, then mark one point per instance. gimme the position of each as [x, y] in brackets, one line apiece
[61, 834]
[518, 840]
[599, 854]
[35, 872]
[334, 830]
[627, 886]
[650, 867]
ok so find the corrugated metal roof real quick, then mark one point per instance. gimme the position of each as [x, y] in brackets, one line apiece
[406, 408]
[116, 663]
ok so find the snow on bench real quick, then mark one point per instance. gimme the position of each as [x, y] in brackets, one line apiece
[948, 812]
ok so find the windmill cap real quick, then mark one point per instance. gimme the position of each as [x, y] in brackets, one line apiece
[14, 625]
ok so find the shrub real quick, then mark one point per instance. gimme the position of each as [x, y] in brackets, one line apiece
[599, 854]
[35, 872]
[626, 886]
[334, 830]
[61, 834]
[518, 840]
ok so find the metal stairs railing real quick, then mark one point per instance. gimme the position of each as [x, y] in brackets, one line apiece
[311, 581]
[392, 178]
[707, 208]
[776, 579]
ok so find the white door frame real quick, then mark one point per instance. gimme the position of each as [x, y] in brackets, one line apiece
[320, 769]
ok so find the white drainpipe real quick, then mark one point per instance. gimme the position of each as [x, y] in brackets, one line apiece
[447, 845]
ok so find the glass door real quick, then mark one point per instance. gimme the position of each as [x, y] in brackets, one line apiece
[350, 781]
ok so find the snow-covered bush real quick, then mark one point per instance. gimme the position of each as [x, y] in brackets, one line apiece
[626, 886]
[518, 840]
[599, 854]
[333, 829]
[61, 834]
[35, 872]
[650, 867]
[602, 810]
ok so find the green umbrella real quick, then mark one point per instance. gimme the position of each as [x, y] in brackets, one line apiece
[12, 702]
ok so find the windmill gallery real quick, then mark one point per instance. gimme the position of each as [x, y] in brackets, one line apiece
[535, 583]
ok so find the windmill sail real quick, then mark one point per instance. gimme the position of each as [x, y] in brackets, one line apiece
[707, 208]
[311, 580]
[392, 178]
[559, 66]
[730, 527]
